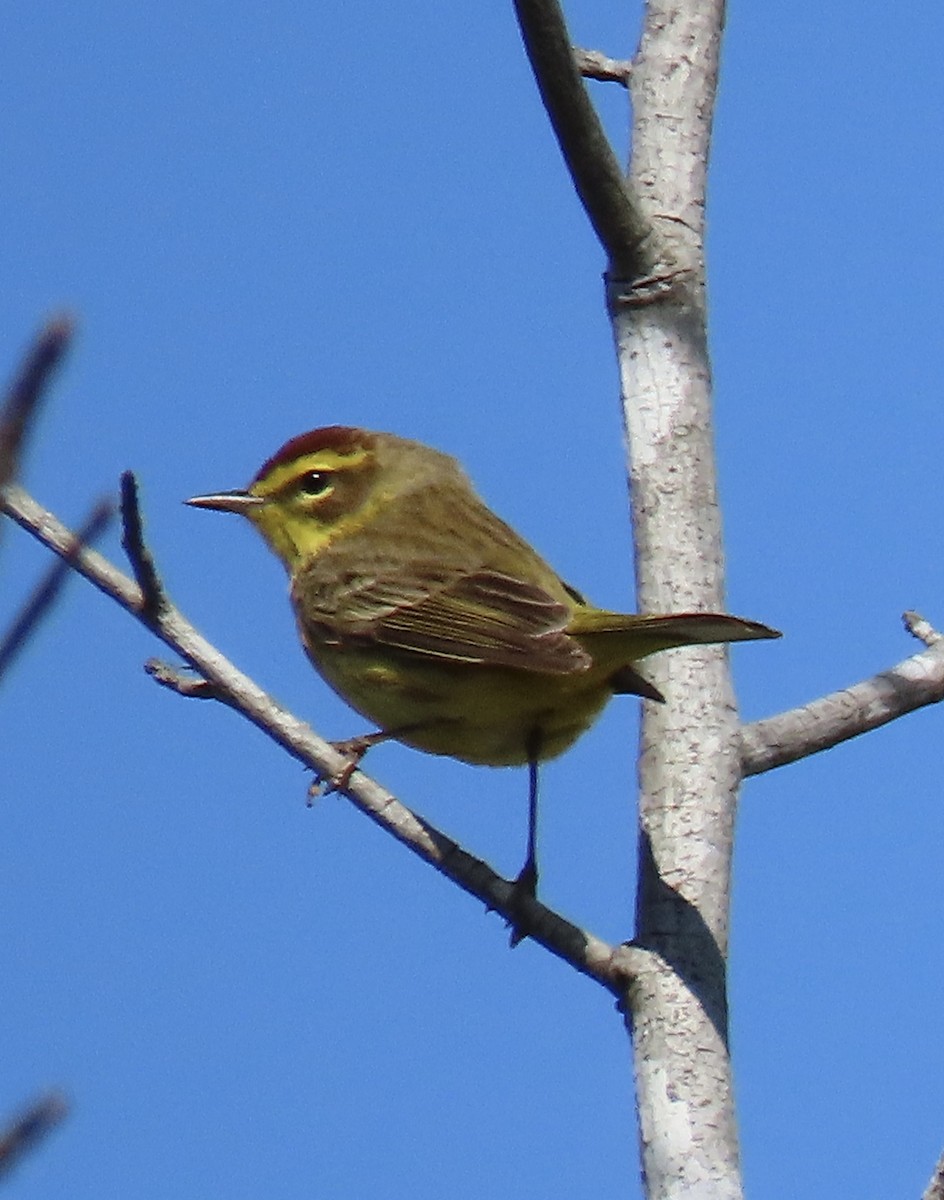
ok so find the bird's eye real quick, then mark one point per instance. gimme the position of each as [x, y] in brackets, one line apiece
[314, 483]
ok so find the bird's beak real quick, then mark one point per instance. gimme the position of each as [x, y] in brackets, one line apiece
[234, 502]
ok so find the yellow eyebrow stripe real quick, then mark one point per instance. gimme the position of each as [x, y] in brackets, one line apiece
[320, 460]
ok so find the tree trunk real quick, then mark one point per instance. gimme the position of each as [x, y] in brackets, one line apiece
[689, 762]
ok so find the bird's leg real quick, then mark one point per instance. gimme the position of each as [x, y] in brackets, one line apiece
[355, 748]
[527, 880]
[526, 885]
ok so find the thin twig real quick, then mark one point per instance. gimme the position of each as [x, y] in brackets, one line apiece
[613, 967]
[592, 64]
[50, 586]
[142, 563]
[824, 723]
[30, 1127]
[626, 236]
[28, 388]
[190, 686]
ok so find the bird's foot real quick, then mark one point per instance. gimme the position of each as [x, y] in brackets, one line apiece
[353, 749]
[524, 889]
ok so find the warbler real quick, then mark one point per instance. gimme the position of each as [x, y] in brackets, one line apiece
[432, 618]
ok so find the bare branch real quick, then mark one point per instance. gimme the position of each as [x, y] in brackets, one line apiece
[593, 65]
[30, 1127]
[935, 1189]
[626, 236]
[26, 391]
[17, 416]
[613, 967]
[50, 586]
[142, 564]
[823, 723]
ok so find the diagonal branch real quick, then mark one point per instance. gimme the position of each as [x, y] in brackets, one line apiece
[613, 967]
[27, 390]
[625, 234]
[821, 724]
[48, 589]
[30, 1127]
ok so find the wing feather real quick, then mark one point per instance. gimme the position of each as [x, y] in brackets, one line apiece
[482, 616]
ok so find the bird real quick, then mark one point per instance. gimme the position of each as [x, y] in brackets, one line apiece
[434, 619]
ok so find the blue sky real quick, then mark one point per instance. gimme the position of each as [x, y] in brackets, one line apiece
[269, 219]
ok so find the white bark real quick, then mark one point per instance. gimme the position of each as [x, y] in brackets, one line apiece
[689, 766]
[935, 1189]
[651, 225]
[860, 708]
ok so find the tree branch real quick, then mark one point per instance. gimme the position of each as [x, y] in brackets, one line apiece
[626, 235]
[613, 967]
[821, 724]
[30, 1127]
[132, 541]
[27, 390]
[50, 586]
[935, 1188]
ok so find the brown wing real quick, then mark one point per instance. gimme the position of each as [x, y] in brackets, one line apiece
[482, 616]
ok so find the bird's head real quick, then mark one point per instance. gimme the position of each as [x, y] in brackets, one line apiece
[326, 483]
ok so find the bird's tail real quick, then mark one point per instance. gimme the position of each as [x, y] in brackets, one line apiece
[629, 637]
[649, 633]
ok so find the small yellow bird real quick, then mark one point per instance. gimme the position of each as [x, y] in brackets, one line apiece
[435, 620]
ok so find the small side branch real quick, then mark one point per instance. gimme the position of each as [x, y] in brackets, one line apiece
[190, 686]
[821, 724]
[593, 65]
[153, 599]
[611, 966]
[30, 1127]
[625, 234]
[923, 630]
